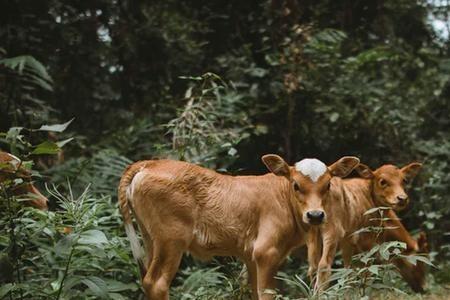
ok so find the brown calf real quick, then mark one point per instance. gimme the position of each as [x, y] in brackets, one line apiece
[181, 207]
[10, 168]
[349, 200]
[388, 183]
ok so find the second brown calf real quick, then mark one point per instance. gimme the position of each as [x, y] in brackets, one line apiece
[350, 199]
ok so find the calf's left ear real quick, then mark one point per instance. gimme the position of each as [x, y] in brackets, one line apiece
[276, 165]
[410, 171]
[344, 166]
[364, 171]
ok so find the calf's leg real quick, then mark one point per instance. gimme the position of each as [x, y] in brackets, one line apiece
[163, 267]
[252, 278]
[267, 259]
[347, 253]
[314, 244]
[324, 271]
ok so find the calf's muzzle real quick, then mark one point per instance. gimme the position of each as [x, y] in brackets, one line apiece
[315, 217]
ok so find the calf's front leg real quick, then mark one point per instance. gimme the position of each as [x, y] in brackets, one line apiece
[314, 244]
[252, 278]
[267, 258]
[326, 261]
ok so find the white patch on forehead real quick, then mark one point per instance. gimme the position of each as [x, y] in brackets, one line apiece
[311, 167]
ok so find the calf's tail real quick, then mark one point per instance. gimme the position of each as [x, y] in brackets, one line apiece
[125, 194]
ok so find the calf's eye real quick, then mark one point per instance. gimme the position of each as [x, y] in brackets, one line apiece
[383, 182]
[296, 186]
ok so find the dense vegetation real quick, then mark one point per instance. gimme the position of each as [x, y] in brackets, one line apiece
[218, 83]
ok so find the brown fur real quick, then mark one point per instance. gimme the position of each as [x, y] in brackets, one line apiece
[347, 202]
[12, 170]
[181, 207]
[388, 183]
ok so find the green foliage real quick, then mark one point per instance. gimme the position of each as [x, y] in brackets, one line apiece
[302, 79]
[17, 140]
[24, 80]
[204, 284]
[73, 253]
[102, 172]
[32, 70]
[211, 123]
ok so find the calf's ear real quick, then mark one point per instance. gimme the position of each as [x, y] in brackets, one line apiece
[344, 166]
[410, 171]
[276, 165]
[364, 171]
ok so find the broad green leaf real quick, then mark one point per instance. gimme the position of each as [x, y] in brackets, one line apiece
[5, 289]
[56, 127]
[117, 286]
[373, 269]
[425, 260]
[116, 296]
[46, 148]
[232, 151]
[97, 286]
[13, 133]
[63, 142]
[30, 68]
[385, 248]
[62, 248]
[413, 259]
[92, 237]
[71, 281]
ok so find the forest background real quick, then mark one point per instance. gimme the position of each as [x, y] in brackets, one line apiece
[219, 83]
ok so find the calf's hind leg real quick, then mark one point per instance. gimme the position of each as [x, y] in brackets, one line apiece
[163, 267]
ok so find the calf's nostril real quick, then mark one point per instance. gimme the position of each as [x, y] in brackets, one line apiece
[402, 199]
[315, 215]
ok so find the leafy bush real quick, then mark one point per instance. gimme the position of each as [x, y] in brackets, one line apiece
[76, 252]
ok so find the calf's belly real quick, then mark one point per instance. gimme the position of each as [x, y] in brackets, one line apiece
[218, 241]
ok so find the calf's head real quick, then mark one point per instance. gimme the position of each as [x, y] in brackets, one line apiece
[388, 183]
[10, 169]
[310, 182]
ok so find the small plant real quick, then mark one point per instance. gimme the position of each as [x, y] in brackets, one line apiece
[210, 124]
[374, 272]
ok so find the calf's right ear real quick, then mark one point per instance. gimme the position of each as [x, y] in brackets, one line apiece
[364, 171]
[410, 171]
[276, 165]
